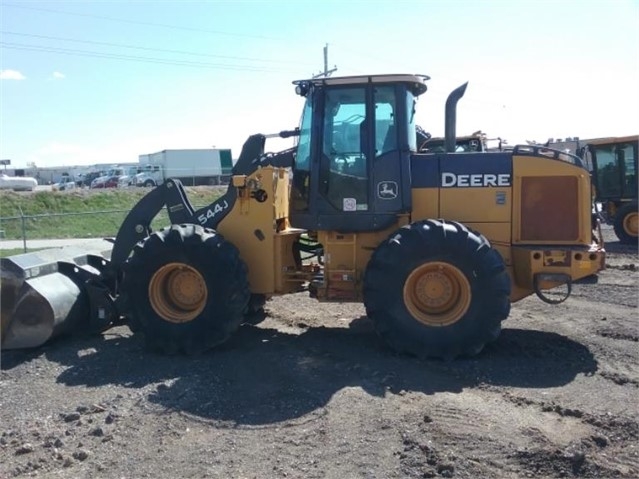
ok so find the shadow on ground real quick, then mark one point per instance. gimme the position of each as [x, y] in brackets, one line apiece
[620, 248]
[266, 376]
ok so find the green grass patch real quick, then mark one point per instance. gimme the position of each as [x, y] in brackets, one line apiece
[82, 213]
[4, 253]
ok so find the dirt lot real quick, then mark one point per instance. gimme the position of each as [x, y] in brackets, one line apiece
[313, 393]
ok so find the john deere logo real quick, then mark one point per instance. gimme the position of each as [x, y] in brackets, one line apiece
[450, 180]
[387, 190]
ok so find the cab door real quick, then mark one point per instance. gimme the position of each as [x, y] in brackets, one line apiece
[359, 178]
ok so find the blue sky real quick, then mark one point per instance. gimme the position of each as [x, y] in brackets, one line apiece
[87, 81]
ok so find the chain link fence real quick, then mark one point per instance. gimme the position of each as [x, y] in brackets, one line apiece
[87, 224]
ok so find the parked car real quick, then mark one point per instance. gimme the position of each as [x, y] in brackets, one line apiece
[65, 184]
[151, 175]
[125, 181]
[107, 181]
[17, 183]
[88, 178]
[128, 177]
[145, 179]
[118, 177]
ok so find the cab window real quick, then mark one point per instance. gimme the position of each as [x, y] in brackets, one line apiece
[301, 179]
[608, 172]
[385, 125]
[344, 181]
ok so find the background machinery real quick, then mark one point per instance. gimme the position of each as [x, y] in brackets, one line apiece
[475, 142]
[436, 245]
[613, 162]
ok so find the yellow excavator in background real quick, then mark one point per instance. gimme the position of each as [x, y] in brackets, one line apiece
[436, 245]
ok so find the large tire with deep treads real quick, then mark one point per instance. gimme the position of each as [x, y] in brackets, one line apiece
[185, 288]
[626, 223]
[437, 289]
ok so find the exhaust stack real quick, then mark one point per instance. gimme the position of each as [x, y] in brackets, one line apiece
[451, 117]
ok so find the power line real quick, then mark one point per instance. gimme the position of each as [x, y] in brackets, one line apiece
[148, 24]
[137, 47]
[164, 61]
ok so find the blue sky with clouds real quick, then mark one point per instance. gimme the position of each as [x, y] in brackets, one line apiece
[104, 81]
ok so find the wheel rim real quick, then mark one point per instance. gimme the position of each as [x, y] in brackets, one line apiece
[178, 292]
[631, 224]
[437, 294]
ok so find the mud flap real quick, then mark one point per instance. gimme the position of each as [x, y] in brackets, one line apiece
[53, 292]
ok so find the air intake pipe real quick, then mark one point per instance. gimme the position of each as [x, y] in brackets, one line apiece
[451, 117]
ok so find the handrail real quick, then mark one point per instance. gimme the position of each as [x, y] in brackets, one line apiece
[538, 150]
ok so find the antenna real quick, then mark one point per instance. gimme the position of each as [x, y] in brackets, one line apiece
[326, 72]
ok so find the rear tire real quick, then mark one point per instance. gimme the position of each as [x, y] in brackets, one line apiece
[626, 223]
[186, 288]
[149, 183]
[437, 289]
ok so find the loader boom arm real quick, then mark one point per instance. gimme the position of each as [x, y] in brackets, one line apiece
[172, 195]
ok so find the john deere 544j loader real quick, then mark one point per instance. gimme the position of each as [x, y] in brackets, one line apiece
[437, 246]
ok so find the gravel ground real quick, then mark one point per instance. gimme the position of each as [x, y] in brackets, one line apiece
[313, 393]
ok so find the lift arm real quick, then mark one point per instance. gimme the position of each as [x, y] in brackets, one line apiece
[172, 195]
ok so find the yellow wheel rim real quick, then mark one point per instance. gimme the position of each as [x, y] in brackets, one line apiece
[631, 224]
[437, 294]
[178, 292]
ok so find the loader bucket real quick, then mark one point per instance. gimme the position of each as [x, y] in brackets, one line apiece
[52, 292]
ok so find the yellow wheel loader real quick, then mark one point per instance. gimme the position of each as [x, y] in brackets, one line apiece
[614, 176]
[436, 245]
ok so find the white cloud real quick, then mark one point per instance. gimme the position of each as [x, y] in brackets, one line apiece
[11, 75]
[58, 75]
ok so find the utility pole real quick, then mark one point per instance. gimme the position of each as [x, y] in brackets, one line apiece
[326, 72]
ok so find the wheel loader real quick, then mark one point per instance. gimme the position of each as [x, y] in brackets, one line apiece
[436, 245]
[614, 176]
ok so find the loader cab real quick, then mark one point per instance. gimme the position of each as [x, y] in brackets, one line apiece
[352, 170]
[614, 165]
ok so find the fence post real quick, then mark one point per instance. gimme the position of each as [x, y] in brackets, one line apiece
[24, 230]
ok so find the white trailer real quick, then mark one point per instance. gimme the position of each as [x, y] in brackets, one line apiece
[192, 167]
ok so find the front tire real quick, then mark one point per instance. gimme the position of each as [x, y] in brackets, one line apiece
[437, 289]
[186, 288]
[627, 223]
